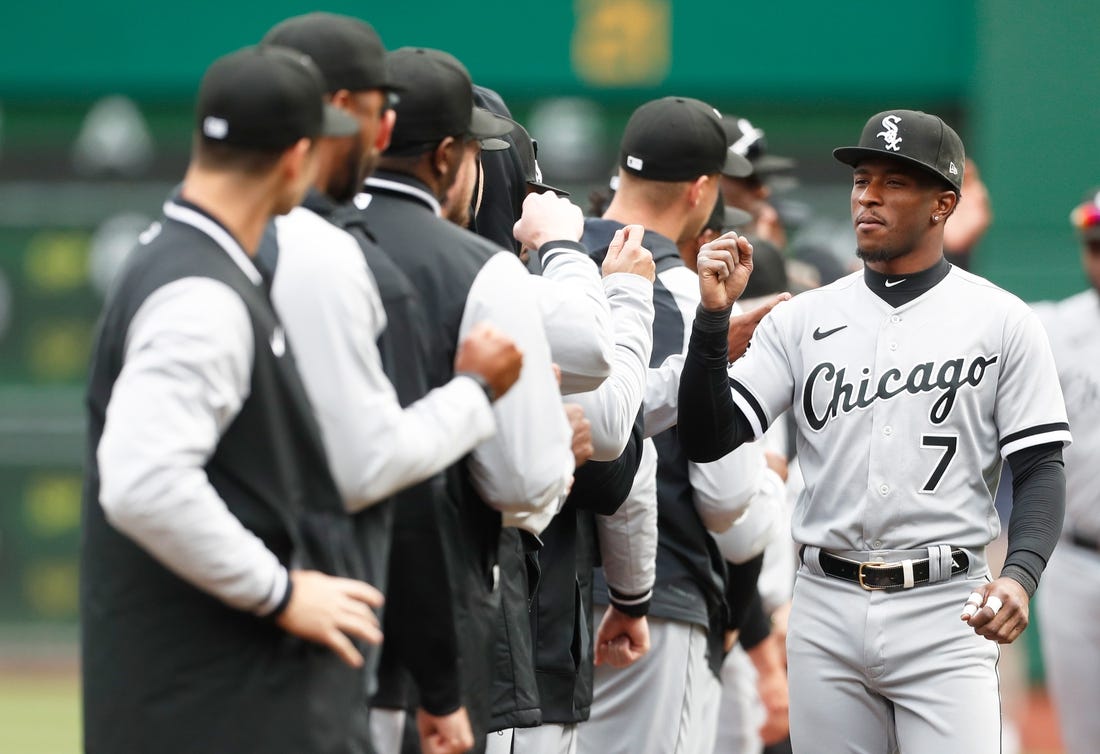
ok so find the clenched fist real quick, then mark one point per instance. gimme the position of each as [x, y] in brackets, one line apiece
[724, 267]
[625, 254]
[582, 433]
[548, 217]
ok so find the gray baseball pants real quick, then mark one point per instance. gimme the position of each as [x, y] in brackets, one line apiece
[872, 672]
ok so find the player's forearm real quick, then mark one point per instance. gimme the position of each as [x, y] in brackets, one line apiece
[380, 449]
[1038, 509]
[628, 541]
[709, 423]
[576, 315]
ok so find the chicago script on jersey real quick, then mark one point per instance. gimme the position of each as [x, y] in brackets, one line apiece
[846, 396]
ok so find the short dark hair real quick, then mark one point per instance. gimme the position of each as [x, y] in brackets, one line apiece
[213, 155]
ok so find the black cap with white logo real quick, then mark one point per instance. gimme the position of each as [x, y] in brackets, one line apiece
[749, 141]
[914, 137]
[267, 98]
[437, 101]
[348, 51]
[678, 139]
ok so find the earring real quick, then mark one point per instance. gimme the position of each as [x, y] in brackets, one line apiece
[935, 218]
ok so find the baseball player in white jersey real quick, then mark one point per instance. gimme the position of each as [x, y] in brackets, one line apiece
[910, 383]
[1070, 598]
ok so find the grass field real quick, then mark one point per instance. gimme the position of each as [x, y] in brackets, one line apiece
[39, 714]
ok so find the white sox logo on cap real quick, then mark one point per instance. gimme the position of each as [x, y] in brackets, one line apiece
[890, 135]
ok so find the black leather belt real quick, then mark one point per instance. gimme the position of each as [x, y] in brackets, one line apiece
[873, 575]
[1084, 541]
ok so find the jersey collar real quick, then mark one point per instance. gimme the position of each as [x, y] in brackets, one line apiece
[405, 185]
[179, 209]
[898, 290]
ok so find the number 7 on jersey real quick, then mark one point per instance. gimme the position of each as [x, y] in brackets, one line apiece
[949, 443]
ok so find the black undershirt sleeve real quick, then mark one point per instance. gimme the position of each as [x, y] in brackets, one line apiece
[1038, 508]
[741, 589]
[756, 625]
[603, 486]
[709, 424]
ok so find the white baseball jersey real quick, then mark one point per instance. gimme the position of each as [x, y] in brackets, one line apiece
[903, 414]
[1073, 326]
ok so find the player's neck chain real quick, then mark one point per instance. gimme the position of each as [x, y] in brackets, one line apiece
[826, 381]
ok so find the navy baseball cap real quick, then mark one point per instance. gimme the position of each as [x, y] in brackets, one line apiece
[914, 137]
[267, 98]
[348, 51]
[437, 101]
[678, 139]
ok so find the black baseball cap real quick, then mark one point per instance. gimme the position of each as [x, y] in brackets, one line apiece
[749, 141]
[266, 98]
[437, 101]
[527, 150]
[678, 139]
[348, 51]
[913, 137]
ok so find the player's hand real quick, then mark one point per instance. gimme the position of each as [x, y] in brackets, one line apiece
[780, 619]
[777, 463]
[971, 219]
[625, 254]
[1003, 625]
[582, 433]
[548, 217]
[488, 352]
[724, 267]
[769, 227]
[775, 696]
[446, 734]
[768, 658]
[332, 611]
[742, 326]
[621, 639]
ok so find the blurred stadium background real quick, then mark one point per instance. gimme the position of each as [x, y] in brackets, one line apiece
[95, 105]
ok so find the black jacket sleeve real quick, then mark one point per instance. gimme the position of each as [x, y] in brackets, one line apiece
[709, 424]
[1038, 509]
[601, 487]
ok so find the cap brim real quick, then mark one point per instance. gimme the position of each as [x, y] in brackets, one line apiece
[772, 163]
[853, 155]
[486, 125]
[735, 218]
[539, 186]
[736, 166]
[336, 122]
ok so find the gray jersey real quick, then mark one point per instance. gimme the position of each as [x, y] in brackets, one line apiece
[904, 414]
[1073, 326]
